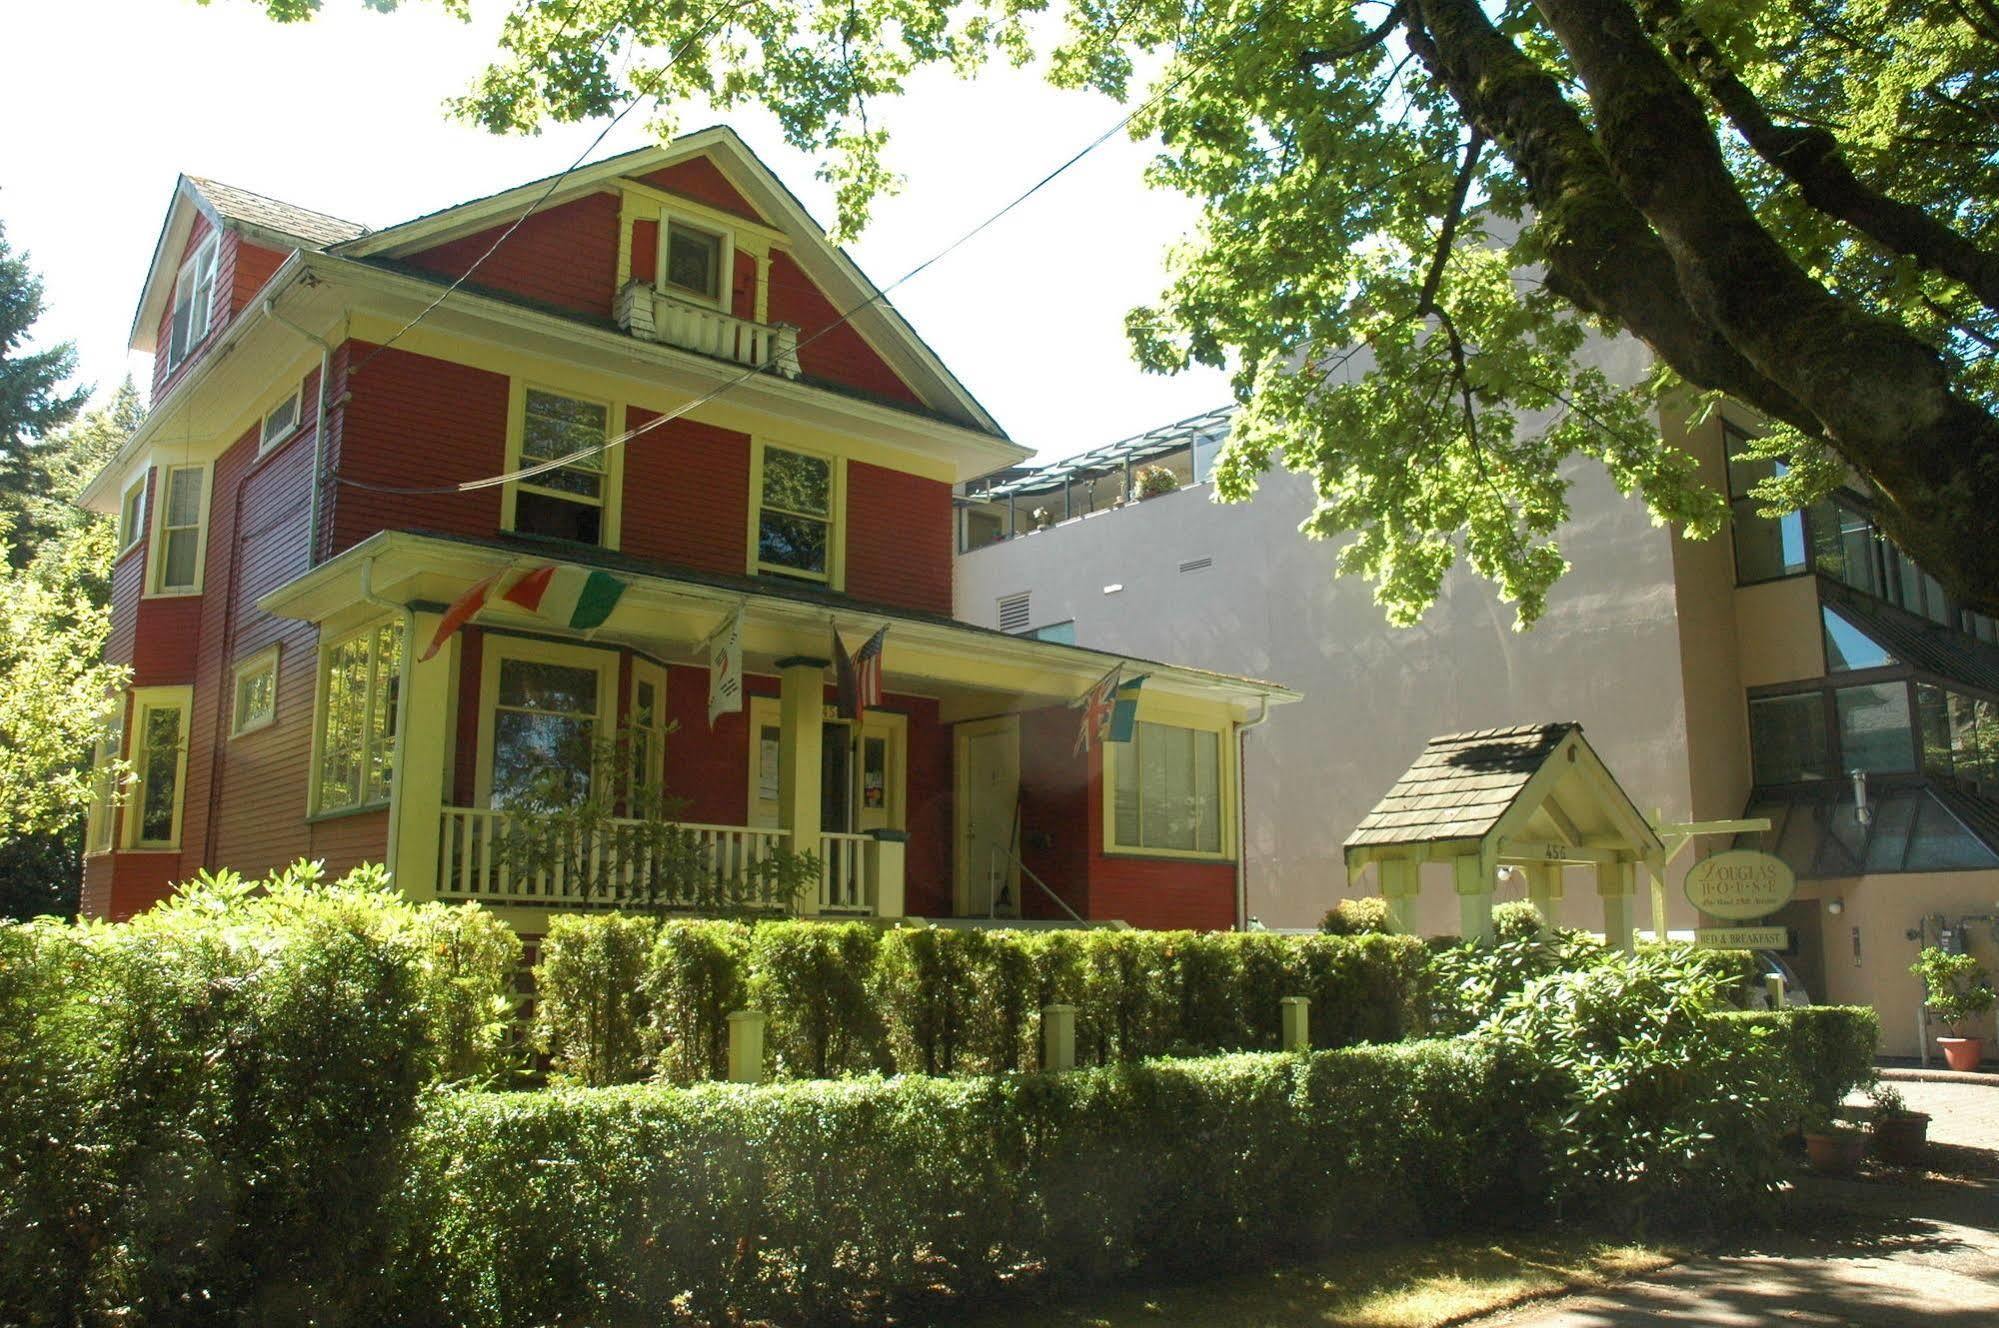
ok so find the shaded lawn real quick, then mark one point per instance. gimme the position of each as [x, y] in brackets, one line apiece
[1417, 1285]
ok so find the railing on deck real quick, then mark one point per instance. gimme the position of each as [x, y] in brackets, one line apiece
[502, 857]
[843, 874]
[654, 316]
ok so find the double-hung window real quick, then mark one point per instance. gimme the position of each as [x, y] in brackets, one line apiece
[648, 739]
[159, 766]
[194, 302]
[797, 515]
[1167, 791]
[573, 500]
[177, 559]
[359, 678]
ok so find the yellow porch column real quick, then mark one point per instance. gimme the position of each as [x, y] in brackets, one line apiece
[1544, 888]
[1474, 883]
[1616, 885]
[887, 868]
[801, 714]
[417, 802]
[1400, 881]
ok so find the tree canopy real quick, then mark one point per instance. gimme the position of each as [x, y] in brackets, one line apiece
[1790, 202]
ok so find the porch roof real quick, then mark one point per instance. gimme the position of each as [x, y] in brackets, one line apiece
[671, 611]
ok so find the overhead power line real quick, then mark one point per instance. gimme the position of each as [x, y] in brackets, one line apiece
[762, 366]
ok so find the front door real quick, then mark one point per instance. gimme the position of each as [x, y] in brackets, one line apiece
[988, 796]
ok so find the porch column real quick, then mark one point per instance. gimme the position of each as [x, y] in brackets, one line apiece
[1616, 886]
[423, 751]
[1544, 888]
[886, 868]
[1474, 883]
[801, 714]
[1400, 881]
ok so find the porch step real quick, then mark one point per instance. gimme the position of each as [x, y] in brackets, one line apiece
[1019, 924]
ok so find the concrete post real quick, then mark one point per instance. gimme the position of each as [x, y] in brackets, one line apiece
[1544, 888]
[418, 798]
[1058, 1037]
[1774, 984]
[1615, 885]
[1474, 885]
[746, 1046]
[1400, 881]
[887, 855]
[801, 725]
[1297, 1017]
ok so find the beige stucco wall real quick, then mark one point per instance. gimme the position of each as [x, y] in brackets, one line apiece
[1782, 639]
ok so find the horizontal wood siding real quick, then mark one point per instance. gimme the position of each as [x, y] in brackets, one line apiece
[687, 493]
[709, 768]
[898, 538]
[841, 356]
[565, 257]
[412, 421]
[702, 180]
[128, 583]
[166, 633]
[645, 251]
[254, 265]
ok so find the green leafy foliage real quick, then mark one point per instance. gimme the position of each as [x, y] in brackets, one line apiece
[590, 997]
[812, 979]
[1829, 1049]
[202, 1110]
[697, 974]
[1363, 915]
[1956, 987]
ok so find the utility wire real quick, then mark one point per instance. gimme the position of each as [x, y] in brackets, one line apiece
[728, 384]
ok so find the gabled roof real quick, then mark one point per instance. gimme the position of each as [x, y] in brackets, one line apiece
[1461, 785]
[266, 220]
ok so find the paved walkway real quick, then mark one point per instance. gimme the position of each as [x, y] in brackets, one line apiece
[1962, 1113]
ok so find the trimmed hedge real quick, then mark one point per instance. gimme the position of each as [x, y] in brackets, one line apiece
[1829, 1048]
[623, 998]
[842, 1201]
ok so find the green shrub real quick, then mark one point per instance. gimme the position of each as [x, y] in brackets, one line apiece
[1365, 915]
[864, 1199]
[1362, 988]
[1828, 1050]
[471, 959]
[812, 979]
[695, 976]
[926, 990]
[1518, 920]
[590, 1000]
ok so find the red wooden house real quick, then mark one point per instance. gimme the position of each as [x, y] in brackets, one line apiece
[337, 453]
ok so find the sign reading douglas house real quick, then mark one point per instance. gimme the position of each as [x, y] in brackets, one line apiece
[1740, 885]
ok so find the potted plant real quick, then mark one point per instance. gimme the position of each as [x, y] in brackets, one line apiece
[1900, 1135]
[1155, 480]
[1833, 1147]
[1957, 990]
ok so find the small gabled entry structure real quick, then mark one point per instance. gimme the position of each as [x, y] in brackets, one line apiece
[1536, 797]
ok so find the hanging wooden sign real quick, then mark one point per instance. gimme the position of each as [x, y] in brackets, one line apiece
[1740, 885]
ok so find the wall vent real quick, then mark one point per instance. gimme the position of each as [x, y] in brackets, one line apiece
[1197, 564]
[1014, 614]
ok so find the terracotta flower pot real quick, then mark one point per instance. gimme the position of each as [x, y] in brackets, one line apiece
[1835, 1152]
[1902, 1139]
[1962, 1053]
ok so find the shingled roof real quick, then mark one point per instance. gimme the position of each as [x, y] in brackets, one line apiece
[313, 230]
[1460, 786]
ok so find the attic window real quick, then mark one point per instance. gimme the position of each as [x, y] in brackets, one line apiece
[693, 262]
[194, 302]
[280, 423]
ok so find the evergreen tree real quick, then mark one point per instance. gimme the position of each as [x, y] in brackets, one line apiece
[34, 404]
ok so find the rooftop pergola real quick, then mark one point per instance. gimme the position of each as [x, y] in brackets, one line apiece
[1209, 427]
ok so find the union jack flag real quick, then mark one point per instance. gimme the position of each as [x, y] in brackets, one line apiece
[1098, 705]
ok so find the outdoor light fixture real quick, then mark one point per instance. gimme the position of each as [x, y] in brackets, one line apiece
[1114, 587]
[1861, 811]
[1835, 906]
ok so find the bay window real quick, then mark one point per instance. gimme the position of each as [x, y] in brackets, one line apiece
[105, 781]
[359, 679]
[159, 766]
[1167, 793]
[177, 556]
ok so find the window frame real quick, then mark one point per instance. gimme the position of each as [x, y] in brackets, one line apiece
[725, 259]
[498, 646]
[145, 700]
[132, 513]
[156, 586]
[1157, 710]
[835, 576]
[265, 660]
[322, 695]
[100, 831]
[648, 671]
[611, 500]
[189, 277]
[267, 442]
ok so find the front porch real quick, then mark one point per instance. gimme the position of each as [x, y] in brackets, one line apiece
[961, 795]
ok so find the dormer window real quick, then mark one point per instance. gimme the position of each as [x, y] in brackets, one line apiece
[694, 260]
[194, 302]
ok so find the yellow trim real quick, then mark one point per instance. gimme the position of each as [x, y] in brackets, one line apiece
[725, 262]
[603, 661]
[645, 200]
[266, 446]
[144, 699]
[1166, 712]
[156, 555]
[327, 645]
[643, 671]
[210, 244]
[131, 519]
[611, 500]
[265, 659]
[835, 576]
[101, 817]
[963, 868]
[763, 712]
[893, 728]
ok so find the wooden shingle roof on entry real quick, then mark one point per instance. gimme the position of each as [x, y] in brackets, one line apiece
[1461, 785]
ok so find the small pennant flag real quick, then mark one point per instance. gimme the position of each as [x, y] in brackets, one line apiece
[1124, 713]
[1098, 705]
[578, 598]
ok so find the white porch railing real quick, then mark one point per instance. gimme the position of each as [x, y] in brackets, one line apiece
[844, 882]
[500, 857]
[653, 316]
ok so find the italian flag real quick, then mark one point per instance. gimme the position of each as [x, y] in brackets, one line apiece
[578, 598]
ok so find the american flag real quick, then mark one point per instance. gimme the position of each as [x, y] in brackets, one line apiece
[859, 676]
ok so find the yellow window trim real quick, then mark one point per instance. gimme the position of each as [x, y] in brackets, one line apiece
[267, 444]
[264, 660]
[612, 499]
[179, 698]
[132, 513]
[674, 214]
[644, 671]
[835, 576]
[604, 660]
[101, 817]
[322, 667]
[157, 554]
[1159, 710]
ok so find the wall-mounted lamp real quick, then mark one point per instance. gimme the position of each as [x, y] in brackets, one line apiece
[1861, 811]
[1114, 587]
[1835, 906]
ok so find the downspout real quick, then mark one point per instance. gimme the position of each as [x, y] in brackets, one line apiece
[1242, 815]
[318, 429]
[402, 706]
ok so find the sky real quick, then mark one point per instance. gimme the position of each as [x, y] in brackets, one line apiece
[346, 115]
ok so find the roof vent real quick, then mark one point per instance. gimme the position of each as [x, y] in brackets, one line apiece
[1014, 614]
[1197, 564]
